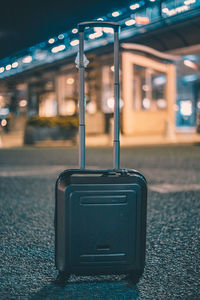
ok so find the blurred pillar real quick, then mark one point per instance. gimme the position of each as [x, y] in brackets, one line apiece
[170, 131]
[127, 92]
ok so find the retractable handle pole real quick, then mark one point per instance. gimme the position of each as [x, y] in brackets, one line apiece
[81, 103]
[116, 142]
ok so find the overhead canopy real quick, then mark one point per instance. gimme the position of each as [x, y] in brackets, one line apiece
[173, 36]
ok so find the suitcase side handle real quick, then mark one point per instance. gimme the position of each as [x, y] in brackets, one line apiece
[116, 142]
[83, 25]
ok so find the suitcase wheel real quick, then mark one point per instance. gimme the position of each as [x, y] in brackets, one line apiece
[62, 279]
[134, 277]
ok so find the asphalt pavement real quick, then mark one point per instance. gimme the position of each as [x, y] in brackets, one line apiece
[27, 180]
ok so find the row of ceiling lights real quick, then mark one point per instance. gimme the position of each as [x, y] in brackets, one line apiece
[96, 34]
[28, 59]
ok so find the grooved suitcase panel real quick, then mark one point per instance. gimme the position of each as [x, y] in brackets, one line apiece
[103, 223]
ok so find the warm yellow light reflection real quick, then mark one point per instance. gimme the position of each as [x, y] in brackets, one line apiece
[74, 30]
[108, 30]
[15, 64]
[112, 68]
[134, 6]
[115, 14]
[190, 64]
[58, 48]
[95, 35]
[70, 80]
[51, 41]
[3, 123]
[91, 108]
[74, 42]
[186, 108]
[27, 59]
[70, 108]
[130, 22]
[22, 103]
[8, 67]
[142, 20]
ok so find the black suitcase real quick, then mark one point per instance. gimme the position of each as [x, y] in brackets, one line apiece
[100, 215]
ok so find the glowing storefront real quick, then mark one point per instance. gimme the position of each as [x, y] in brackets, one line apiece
[148, 92]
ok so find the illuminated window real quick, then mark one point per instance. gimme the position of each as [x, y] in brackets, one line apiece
[149, 89]
[67, 90]
[48, 105]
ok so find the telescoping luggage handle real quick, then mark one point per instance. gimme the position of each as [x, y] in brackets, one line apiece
[116, 142]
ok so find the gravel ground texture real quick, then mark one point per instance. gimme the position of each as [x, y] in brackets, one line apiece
[27, 180]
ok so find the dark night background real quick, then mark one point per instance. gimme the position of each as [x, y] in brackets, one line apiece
[25, 23]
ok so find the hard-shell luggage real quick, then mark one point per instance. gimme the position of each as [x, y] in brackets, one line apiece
[100, 215]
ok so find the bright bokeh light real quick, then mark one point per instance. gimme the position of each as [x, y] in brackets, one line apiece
[115, 14]
[177, 10]
[134, 6]
[22, 103]
[75, 30]
[108, 30]
[160, 80]
[74, 42]
[189, 2]
[111, 102]
[58, 49]
[126, 17]
[130, 22]
[91, 108]
[112, 68]
[95, 35]
[3, 122]
[165, 10]
[146, 103]
[70, 81]
[98, 29]
[161, 103]
[8, 67]
[27, 59]
[15, 64]
[51, 41]
[190, 64]
[186, 108]
[70, 107]
[61, 36]
[142, 20]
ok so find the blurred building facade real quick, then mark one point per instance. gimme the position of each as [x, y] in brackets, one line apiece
[159, 75]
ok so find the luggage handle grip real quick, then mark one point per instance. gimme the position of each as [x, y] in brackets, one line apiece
[83, 25]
